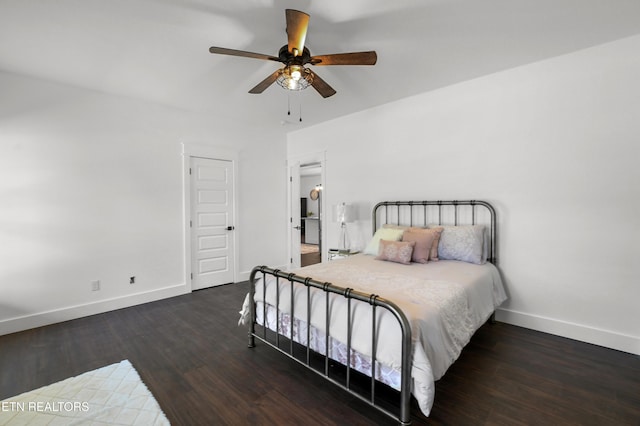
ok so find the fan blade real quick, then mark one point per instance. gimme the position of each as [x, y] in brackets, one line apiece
[322, 87]
[353, 58]
[297, 23]
[260, 87]
[242, 53]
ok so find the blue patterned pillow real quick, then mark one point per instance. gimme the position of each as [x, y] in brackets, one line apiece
[465, 243]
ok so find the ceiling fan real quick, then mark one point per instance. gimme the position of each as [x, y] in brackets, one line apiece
[294, 55]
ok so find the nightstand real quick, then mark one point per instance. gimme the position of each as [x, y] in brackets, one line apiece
[335, 254]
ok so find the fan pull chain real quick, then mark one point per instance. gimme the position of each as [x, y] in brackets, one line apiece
[300, 112]
[288, 105]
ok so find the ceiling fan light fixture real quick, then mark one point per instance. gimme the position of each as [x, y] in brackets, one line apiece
[295, 77]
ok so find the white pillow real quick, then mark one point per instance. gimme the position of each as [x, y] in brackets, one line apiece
[465, 243]
[382, 234]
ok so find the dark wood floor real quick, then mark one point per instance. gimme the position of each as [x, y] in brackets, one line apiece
[307, 259]
[194, 359]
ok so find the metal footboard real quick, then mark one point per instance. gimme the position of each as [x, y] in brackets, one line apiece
[350, 294]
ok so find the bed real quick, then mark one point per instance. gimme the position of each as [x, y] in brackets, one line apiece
[399, 313]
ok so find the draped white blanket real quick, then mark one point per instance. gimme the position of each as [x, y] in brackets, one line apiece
[445, 303]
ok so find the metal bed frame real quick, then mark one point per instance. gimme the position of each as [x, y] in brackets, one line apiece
[401, 213]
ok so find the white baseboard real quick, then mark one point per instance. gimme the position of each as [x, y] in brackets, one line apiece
[244, 276]
[609, 339]
[26, 322]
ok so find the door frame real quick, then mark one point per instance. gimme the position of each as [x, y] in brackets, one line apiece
[315, 157]
[190, 150]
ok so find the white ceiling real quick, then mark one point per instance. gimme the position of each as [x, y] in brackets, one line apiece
[157, 50]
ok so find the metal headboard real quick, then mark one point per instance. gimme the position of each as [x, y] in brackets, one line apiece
[423, 213]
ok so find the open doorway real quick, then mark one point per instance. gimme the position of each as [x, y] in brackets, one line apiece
[310, 214]
[306, 174]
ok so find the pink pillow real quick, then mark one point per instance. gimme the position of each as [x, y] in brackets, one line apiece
[424, 242]
[396, 251]
[437, 231]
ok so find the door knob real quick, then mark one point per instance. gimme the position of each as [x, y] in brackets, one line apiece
[297, 227]
[230, 228]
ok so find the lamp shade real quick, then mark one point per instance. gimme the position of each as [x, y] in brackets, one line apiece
[344, 213]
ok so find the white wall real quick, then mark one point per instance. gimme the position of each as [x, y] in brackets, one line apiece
[91, 188]
[263, 202]
[554, 146]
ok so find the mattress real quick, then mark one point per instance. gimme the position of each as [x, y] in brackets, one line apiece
[445, 303]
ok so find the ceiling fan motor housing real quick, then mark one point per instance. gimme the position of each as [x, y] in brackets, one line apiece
[288, 58]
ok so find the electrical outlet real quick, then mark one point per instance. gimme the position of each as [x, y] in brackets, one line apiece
[95, 285]
[132, 280]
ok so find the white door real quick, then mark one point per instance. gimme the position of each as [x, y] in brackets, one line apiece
[212, 228]
[294, 219]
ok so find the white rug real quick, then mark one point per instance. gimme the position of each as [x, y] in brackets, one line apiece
[111, 395]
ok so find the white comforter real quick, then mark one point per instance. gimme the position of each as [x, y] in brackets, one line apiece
[445, 303]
